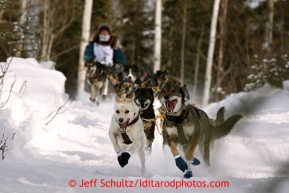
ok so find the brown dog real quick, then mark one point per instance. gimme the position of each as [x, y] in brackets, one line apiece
[189, 126]
[96, 78]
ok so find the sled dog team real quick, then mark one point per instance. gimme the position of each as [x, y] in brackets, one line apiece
[184, 126]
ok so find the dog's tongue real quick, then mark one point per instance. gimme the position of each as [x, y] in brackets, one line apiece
[124, 125]
[171, 105]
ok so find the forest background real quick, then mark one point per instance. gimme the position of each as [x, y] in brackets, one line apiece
[252, 38]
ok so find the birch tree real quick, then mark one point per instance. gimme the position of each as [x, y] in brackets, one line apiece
[21, 22]
[220, 67]
[183, 40]
[197, 64]
[208, 75]
[84, 41]
[158, 35]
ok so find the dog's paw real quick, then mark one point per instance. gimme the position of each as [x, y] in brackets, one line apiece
[119, 161]
[195, 161]
[92, 100]
[148, 148]
[188, 174]
[103, 98]
[124, 158]
[182, 165]
[143, 170]
[119, 158]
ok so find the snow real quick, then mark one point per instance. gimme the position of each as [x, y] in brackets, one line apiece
[47, 153]
[253, 3]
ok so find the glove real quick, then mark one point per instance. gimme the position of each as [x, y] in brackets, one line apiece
[123, 158]
[181, 164]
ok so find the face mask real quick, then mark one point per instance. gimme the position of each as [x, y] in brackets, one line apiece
[104, 38]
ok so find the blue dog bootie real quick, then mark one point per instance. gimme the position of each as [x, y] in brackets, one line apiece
[195, 161]
[181, 164]
[188, 174]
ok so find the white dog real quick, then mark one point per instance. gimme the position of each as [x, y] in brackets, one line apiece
[126, 132]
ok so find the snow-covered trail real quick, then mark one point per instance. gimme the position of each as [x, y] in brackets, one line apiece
[75, 144]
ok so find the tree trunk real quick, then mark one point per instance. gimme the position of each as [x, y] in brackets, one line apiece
[208, 75]
[220, 72]
[158, 36]
[46, 31]
[84, 41]
[21, 22]
[269, 26]
[183, 40]
[1, 15]
[53, 28]
[170, 48]
[197, 64]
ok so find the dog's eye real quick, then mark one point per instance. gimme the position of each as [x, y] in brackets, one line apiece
[147, 94]
[174, 91]
[126, 112]
[138, 94]
[117, 111]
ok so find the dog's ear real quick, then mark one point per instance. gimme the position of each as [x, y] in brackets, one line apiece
[185, 93]
[118, 97]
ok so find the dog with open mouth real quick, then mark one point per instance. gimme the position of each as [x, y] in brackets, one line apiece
[187, 126]
[96, 78]
[126, 132]
[144, 98]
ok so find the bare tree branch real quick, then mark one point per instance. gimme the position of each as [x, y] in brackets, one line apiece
[65, 51]
[13, 134]
[3, 146]
[4, 71]
[2, 105]
[23, 86]
[56, 112]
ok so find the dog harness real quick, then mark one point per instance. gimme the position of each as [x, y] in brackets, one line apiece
[148, 113]
[148, 116]
[178, 121]
[126, 139]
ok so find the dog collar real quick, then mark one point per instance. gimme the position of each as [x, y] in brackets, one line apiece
[126, 139]
[134, 121]
[178, 121]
